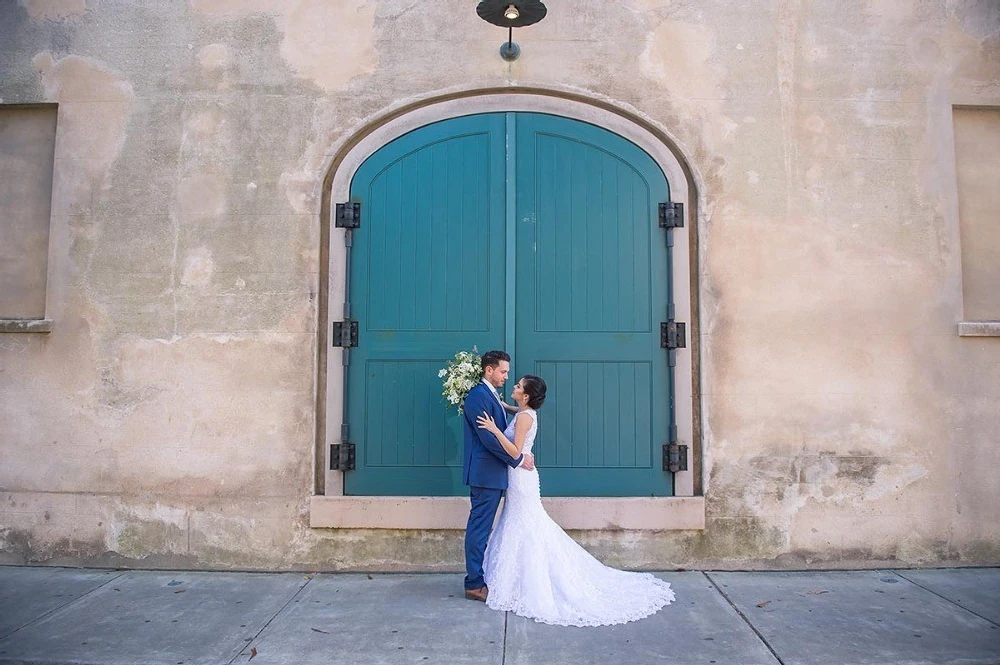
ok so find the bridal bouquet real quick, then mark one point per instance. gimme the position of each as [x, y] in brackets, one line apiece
[463, 372]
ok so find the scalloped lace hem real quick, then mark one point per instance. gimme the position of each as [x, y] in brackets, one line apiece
[635, 614]
[535, 570]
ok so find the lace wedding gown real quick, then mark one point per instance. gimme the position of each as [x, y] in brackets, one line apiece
[535, 570]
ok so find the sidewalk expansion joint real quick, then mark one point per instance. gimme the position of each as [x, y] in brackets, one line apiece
[898, 574]
[248, 645]
[503, 653]
[66, 604]
[745, 619]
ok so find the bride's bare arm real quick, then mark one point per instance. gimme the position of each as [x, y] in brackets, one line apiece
[521, 426]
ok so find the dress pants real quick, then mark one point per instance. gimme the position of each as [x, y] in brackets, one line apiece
[485, 501]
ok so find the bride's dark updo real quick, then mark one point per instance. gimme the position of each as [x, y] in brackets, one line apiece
[534, 388]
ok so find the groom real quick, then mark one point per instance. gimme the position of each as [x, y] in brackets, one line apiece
[484, 467]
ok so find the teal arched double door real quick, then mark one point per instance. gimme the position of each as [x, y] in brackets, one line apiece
[526, 232]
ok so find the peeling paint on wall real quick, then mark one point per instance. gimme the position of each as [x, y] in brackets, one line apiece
[95, 103]
[330, 48]
[198, 268]
[53, 10]
[214, 56]
[327, 45]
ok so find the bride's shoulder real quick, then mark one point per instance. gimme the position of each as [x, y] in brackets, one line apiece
[528, 415]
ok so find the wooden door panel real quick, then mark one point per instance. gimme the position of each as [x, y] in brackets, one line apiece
[592, 286]
[421, 289]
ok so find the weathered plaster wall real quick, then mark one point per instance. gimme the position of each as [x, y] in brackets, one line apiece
[169, 417]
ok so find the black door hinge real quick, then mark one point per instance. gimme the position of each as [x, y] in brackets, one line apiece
[671, 215]
[348, 215]
[342, 456]
[673, 335]
[675, 457]
[345, 334]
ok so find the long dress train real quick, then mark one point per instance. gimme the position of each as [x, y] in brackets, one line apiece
[535, 570]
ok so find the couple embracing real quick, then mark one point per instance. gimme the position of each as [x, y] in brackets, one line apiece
[529, 565]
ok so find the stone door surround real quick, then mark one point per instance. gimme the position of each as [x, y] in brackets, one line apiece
[329, 507]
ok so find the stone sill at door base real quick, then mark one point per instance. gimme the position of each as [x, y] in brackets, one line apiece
[451, 512]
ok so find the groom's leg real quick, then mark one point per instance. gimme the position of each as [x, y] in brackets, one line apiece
[485, 502]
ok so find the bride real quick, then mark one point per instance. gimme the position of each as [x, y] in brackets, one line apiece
[532, 567]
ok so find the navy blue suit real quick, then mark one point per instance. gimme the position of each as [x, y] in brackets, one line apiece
[484, 470]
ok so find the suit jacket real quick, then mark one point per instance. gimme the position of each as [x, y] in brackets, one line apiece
[485, 461]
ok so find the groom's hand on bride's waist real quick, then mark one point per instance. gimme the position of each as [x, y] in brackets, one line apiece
[528, 463]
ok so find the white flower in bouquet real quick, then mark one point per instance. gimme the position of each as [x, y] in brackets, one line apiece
[463, 372]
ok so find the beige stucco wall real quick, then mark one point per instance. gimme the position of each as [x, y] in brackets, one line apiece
[169, 417]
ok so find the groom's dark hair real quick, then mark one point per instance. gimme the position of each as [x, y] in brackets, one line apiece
[493, 358]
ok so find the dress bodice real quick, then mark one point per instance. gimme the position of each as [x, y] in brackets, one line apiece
[529, 440]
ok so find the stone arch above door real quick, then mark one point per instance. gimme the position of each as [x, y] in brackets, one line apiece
[330, 507]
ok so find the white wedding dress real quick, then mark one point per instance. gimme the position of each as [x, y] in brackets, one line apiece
[535, 570]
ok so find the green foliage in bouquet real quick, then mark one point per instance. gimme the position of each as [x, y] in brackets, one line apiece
[463, 372]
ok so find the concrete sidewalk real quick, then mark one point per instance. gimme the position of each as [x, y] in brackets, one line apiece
[64, 615]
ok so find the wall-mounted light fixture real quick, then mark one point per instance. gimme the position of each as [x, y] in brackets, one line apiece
[511, 14]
